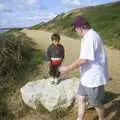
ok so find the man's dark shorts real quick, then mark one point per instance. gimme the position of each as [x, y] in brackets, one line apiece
[95, 95]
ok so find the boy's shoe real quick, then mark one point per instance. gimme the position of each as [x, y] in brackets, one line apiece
[51, 79]
[55, 82]
[52, 82]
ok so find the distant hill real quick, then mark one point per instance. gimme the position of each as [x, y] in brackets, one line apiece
[103, 18]
[15, 29]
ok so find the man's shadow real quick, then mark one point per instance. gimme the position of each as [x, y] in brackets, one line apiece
[114, 106]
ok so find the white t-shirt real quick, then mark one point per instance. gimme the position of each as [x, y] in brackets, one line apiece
[95, 72]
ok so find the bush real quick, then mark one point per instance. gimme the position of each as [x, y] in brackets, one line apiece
[17, 55]
[17, 60]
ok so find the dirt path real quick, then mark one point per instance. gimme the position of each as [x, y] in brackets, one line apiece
[42, 38]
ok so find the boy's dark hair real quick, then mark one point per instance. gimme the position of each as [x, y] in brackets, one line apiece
[80, 21]
[55, 36]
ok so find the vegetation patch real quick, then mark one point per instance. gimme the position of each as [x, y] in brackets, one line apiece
[18, 59]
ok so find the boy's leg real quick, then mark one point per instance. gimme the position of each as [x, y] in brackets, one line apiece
[51, 73]
[56, 74]
[55, 67]
[50, 69]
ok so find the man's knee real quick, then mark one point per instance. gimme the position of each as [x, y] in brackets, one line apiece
[82, 98]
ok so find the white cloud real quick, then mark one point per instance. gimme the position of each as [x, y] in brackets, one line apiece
[4, 8]
[24, 12]
[114, 0]
[30, 2]
[43, 16]
[30, 20]
[92, 2]
[71, 2]
[3, 21]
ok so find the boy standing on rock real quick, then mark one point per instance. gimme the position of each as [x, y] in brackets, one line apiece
[55, 54]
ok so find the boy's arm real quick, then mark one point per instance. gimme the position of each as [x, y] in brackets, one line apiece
[48, 55]
[63, 53]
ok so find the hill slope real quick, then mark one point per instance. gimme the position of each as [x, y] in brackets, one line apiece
[11, 105]
[41, 38]
[104, 18]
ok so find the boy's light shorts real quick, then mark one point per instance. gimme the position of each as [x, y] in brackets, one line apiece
[95, 95]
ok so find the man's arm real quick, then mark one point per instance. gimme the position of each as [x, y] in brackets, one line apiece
[74, 65]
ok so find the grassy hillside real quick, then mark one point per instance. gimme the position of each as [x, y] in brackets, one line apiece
[103, 18]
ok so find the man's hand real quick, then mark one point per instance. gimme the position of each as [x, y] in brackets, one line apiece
[74, 65]
[63, 69]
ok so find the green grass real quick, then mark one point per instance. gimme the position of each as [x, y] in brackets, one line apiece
[103, 18]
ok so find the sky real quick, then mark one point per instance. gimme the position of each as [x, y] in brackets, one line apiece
[25, 13]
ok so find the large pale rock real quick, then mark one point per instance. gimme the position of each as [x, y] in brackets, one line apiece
[49, 95]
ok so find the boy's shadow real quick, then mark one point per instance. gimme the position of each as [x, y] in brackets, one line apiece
[62, 79]
[114, 107]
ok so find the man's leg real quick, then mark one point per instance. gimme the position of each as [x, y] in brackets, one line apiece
[100, 112]
[81, 100]
[96, 96]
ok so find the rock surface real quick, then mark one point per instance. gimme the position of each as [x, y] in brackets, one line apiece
[51, 96]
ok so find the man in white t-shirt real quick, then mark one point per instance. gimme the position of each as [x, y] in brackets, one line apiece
[93, 69]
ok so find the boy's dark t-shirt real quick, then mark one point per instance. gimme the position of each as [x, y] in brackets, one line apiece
[55, 51]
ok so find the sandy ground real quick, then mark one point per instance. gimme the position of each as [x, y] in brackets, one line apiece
[72, 47]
